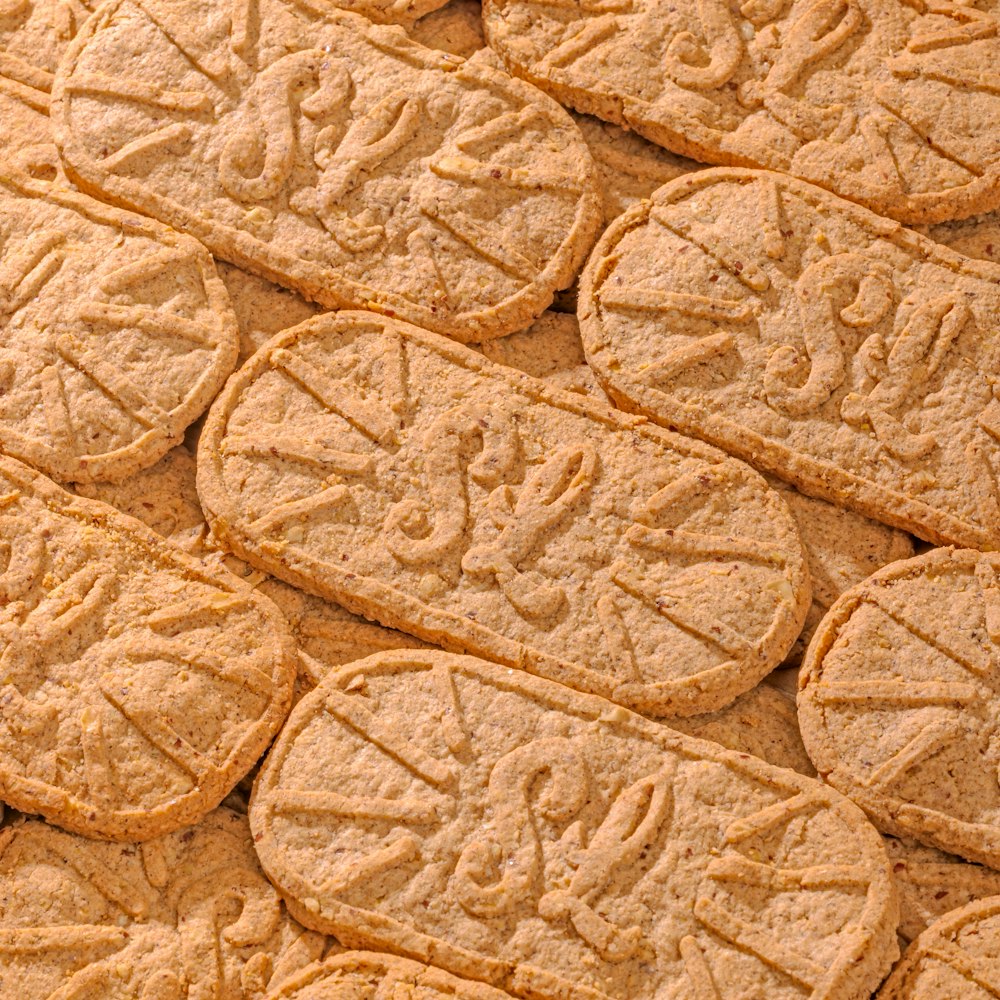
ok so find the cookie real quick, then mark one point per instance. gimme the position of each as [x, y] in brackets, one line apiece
[365, 973]
[550, 349]
[34, 35]
[115, 333]
[897, 700]
[930, 883]
[456, 28]
[186, 915]
[262, 308]
[386, 176]
[419, 484]
[956, 957]
[555, 845]
[889, 105]
[976, 237]
[830, 347]
[137, 685]
[326, 636]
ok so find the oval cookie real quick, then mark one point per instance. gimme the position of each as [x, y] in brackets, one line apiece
[891, 105]
[336, 157]
[956, 957]
[898, 702]
[357, 973]
[555, 845]
[137, 685]
[115, 333]
[831, 347]
[183, 916]
[417, 483]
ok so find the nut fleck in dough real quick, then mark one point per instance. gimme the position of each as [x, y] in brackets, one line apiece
[138, 684]
[892, 105]
[417, 483]
[186, 915]
[334, 156]
[556, 845]
[835, 349]
[956, 958]
[898, 701]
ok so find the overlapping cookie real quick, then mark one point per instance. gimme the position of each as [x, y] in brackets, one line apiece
[555, 845]
[115, 333]
[416, 483]
[898, 702]
[335, 156]
[831, 347]
[137, 685]
[956, 957]
[188, 915]
[891, 105]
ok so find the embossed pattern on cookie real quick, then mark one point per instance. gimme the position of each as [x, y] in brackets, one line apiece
[898, 700]
[137, 685]
[335, 156]
[186, 915]
[34, 35]
[831, 347]
[893, 105]
[115, 332]
[954, 957]
[555, 845]
[414, 482]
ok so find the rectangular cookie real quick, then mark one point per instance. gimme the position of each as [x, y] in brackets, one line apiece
[822, 343]
[413, 481]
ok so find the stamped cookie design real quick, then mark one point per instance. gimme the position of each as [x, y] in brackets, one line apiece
[417, 483]
[183, 916]
[555, 845]
[955, 957]
[337, 157]
[891, 105]
[137, 685]
[930, 883]
[365, 973]
[898, 702]
[34, 34]
[833, 348]
[115, 333]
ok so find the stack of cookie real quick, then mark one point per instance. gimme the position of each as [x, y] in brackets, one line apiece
[456, 542]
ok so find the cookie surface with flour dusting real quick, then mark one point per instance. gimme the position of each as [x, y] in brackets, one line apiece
[417, 483]
[833, 348]
[334, 156]
[555, 845]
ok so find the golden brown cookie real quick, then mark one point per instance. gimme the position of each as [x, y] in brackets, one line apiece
[456, 28]
[262, 308]
[555, 845]
[370, 974]
[188, 915]
[336, 157]
[415, 482]
[165, 498]
[891, 105]
[930, 883]
[137, 685]
[828, 346]
[34, 35]
[898, 703]
[976, 237]
[115, 333]
[956, 958]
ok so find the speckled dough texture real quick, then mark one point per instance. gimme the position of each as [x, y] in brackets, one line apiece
[417, 483]
[898, 702]
[457, 27]
[137, 685]
[115, 333]
[188, 915]
[957, 958]
[824, 344]
[890, 104]
[555, 845]
[334, 156]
